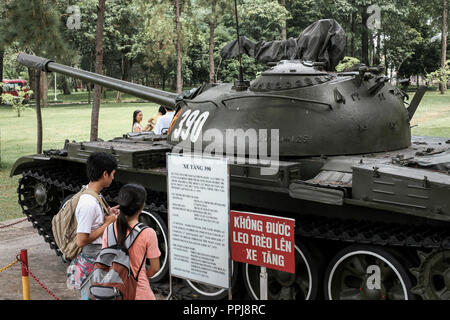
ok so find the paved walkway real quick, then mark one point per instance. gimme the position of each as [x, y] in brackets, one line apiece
[42, 261]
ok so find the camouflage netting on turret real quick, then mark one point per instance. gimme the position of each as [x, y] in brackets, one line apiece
[323, 41]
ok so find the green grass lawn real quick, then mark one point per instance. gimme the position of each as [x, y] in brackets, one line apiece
[60, 122]
[433, 115]
[72, 121]
[82, 97]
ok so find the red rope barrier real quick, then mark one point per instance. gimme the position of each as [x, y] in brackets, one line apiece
[17, 222]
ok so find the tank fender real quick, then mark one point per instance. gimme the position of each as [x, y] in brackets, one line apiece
[29, 162]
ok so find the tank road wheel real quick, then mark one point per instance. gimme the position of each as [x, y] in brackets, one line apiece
[208, 292]
[363, 272]
[40, 201]
[433, 275]
[303, 285]
[38, 198]
[154, 221]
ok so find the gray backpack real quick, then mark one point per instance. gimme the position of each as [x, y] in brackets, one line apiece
[112, 278]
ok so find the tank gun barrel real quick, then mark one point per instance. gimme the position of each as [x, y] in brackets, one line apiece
[147, 93]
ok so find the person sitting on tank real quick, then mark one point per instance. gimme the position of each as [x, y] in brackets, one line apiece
[163, 123]
[152, 121]
[137, 118]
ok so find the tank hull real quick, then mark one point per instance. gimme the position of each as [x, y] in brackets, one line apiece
[320, 193]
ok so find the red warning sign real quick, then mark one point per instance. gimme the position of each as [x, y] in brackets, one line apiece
[263, 240]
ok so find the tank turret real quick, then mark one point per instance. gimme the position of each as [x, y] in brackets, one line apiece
[315, 112]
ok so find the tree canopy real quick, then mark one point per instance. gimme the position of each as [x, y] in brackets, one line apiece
[140, 37]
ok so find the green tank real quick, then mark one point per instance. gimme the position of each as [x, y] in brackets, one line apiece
[371, 203]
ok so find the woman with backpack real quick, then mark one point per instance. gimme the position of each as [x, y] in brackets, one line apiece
[131, 202]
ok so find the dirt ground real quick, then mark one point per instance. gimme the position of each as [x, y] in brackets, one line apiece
[43, 262]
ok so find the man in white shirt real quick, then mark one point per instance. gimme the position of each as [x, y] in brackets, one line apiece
[163, 123]
[92, 220]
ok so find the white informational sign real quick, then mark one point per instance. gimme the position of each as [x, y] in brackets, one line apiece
[198, 194]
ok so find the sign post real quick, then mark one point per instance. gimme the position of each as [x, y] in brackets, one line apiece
[263, 284]
[198, 207]
[263, 240]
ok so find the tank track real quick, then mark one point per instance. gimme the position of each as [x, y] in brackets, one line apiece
[374, 233]
[351, 231]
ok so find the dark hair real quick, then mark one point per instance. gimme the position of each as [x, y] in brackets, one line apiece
[99, 162]
[135, 113]
[131, 199]
[162, 110]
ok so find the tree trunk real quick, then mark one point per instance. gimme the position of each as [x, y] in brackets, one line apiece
[89, 89]
[37, 95]
[364, 37]
[163, 81]
[2, 53]
[88, 84]
[212, 26]
[122, 66]
[98, 69]
[378, 50]
[65, 86]
[178, 30]
[283, 24]
[125, 67]
[386, 64]
[353, 34]
[31, 78]
[443, 85]
[348, 46]
[44, 89]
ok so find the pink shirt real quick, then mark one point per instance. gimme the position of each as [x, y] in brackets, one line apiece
[145, 244]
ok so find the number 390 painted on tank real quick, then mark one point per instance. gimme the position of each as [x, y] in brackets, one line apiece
[194, 122]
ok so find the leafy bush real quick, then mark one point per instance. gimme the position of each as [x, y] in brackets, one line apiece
[441, 75]
[18, 103]
[347, 63]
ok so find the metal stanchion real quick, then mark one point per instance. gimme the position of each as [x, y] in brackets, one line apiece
[263, 284]
[25, 278]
